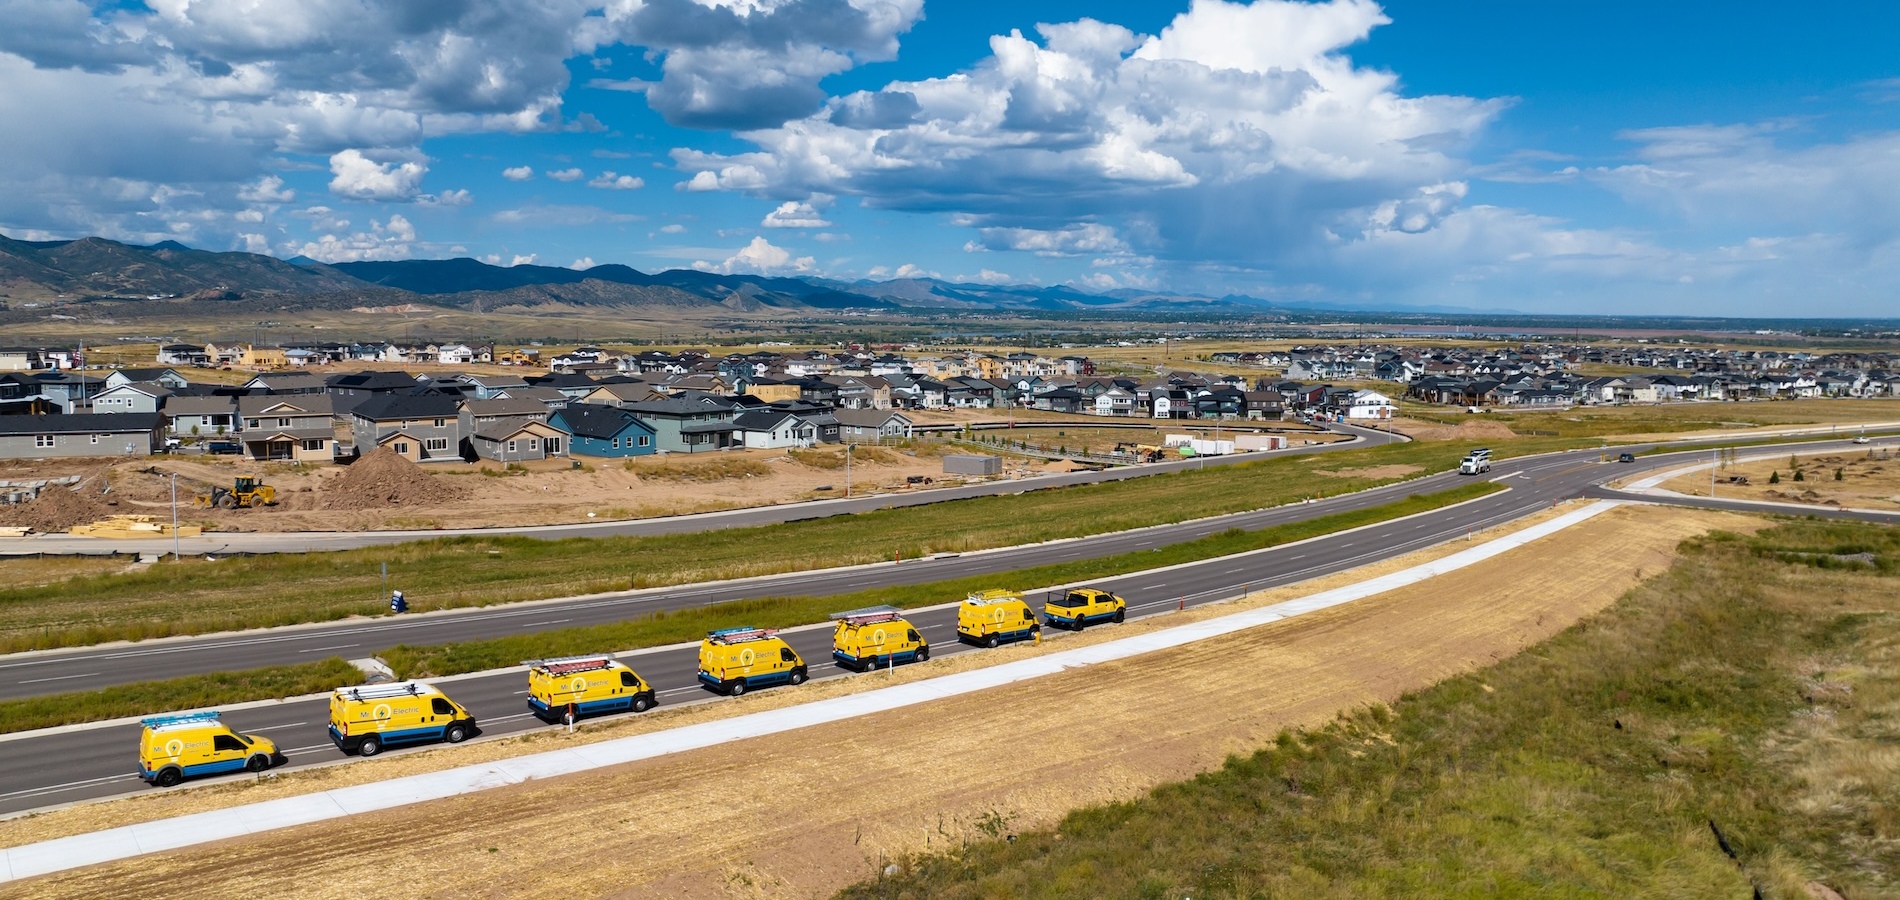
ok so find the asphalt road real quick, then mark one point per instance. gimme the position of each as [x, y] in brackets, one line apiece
[52, 768]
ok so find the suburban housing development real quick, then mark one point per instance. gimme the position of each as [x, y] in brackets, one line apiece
[324, 401]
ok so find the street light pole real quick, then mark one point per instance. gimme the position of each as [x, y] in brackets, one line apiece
[847, 470]
[174, 517]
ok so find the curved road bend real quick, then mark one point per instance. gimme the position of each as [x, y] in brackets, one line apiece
[302, 542]
[98, 761]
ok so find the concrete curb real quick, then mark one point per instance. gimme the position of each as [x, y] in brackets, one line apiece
[185, 831]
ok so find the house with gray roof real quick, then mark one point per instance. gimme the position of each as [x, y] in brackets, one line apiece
[289, 428]
[87, 434]
[420, 427]
[207, 416]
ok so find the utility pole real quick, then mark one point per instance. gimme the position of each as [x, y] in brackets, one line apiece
[174, 517]
[847, 470]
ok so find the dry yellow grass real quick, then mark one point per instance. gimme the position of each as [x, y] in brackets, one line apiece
[1870, 479]
[32, 571]
[912, 778]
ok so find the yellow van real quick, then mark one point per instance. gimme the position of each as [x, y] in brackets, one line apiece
[736, 660]
[365, 719]
[992, 617]
[1080, 607]
[876, 636]
[585, 686]
[174, 748]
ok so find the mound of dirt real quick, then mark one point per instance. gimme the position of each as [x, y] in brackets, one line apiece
[383, 479]
[1468, 430]
[58, 508]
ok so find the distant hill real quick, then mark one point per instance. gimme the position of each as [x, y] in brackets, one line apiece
[96, 267]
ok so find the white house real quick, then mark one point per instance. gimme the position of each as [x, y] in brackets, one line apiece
[1370, 405]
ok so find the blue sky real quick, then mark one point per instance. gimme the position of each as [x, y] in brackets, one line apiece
[1610, 157]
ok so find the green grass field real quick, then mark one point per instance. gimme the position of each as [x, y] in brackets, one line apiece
[197, 596]
[660, 628]
[1750, 691]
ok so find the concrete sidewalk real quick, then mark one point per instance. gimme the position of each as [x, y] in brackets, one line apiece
[185, 831]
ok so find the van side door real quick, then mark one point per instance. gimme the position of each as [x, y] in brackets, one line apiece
[226, 748]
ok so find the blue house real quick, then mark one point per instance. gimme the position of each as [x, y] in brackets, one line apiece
[605, 431]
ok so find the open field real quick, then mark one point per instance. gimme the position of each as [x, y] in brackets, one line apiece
[1726, 728]
[1868, 479]
[196, 596]
[1634, 423]
[823, 812]
[663, 628]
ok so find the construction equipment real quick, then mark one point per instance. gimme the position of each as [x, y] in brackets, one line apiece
[245, 490]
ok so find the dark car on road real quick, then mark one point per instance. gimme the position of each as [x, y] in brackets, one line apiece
[223, 448]
[1626, 457]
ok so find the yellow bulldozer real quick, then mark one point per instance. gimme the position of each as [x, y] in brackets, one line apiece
[245, 490]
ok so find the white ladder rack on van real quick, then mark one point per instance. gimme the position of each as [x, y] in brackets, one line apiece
[869, 615]
[567, 665]
[384, 691]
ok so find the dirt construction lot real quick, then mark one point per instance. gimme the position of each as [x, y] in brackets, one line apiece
[462, 495]
[801, 814]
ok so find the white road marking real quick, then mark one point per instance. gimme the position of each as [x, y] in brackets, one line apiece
[58, 678]
[337, 647]
[275, 727]
[70, 785]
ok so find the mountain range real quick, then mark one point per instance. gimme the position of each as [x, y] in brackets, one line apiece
[95, 268]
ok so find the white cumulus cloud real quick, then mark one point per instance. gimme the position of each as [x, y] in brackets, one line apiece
[611, 181]
[1241, 134]
[268, 189]
[750, 63]
[388, 240]
[760, 257]
[794, 214]
[518, 173]
[572, 174]
[359, 177]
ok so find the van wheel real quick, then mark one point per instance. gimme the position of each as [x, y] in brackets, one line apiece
[257, 763]
[736, 688]
[169, 777]
[798, 676]
[642, 703]
[992, 641]
[923, 653]
[369, 747]
[456, 733]
[1120, 616]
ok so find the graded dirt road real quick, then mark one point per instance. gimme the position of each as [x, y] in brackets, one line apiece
[802, 814]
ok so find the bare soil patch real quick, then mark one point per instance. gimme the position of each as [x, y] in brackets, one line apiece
[384, 491]
[1392, 471]
[804, 813]
[384, 479]
[1468, 430]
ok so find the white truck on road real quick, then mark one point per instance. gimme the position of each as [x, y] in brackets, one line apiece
[1477, 462]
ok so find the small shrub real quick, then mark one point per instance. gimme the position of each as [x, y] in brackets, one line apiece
[1798, 476]
[1838, 476]
[1774, 477]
